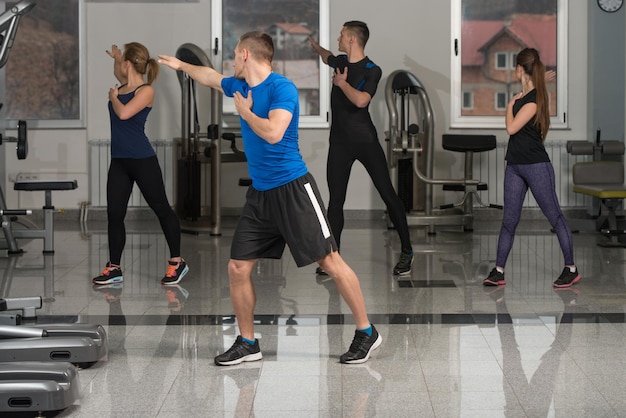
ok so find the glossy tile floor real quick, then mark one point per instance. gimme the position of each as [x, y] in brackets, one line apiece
[451, 348]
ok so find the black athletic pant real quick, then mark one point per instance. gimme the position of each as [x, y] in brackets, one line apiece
[146, 172]
[341, 156]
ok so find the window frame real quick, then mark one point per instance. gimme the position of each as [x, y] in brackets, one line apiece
[81, 121]
[498, 55]
[470, 99]
[496, 100]
[457, 120]
[229, 116]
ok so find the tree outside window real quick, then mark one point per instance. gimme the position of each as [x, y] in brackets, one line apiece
[43, 82]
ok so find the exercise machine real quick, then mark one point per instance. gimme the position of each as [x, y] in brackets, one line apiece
[189, 184]
[24, 336]
[602, 179]
[410, 152]
[38, 362]
[35, 387]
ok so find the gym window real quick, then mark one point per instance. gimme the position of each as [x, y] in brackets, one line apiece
[290, 23]
[44, 77]
[486, 38]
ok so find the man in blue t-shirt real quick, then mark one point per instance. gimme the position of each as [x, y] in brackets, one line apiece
[283, 204]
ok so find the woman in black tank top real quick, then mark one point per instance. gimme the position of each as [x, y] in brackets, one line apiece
[529, 167]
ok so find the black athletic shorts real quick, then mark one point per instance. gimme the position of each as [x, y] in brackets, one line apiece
[291, 214]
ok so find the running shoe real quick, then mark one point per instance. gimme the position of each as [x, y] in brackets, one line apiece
[567, 278]
[405, 262]
[175, 272]
[361, 347]
[240, 351]
[495, 278]
[111, 274]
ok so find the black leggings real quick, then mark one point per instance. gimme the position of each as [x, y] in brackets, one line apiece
[340, 159]
[146, 172]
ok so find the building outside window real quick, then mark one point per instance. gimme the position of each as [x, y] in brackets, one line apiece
[488, 35]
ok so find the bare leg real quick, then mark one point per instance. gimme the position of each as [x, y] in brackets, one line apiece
[348, 285]
[242, 295]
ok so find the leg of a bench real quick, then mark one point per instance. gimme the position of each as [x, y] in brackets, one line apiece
[48, 224]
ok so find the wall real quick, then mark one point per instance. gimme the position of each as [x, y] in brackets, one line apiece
[404, 35]
[606, 87]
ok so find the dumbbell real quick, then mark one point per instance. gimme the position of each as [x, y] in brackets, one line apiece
[21, 140]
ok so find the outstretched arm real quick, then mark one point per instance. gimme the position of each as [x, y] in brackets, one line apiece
[206, 76]
[323, 53]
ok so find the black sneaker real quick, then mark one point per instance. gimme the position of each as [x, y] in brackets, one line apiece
[175, 272]
[320, 271]
[361, 347]
[111, 274]
[403, 267]
[567, 278]
[495, 278]
[240, 351]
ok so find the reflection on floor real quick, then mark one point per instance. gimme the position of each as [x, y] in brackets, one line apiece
[451, 347]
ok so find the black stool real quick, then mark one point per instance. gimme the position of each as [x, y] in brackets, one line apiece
[468, 144]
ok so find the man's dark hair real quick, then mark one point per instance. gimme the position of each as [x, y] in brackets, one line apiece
[259, 44]
[360, 30]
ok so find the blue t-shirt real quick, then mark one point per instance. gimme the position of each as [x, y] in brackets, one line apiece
[128, 137]
[270, 165]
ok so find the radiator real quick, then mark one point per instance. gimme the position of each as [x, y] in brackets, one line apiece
[489, 168]
[100, 158]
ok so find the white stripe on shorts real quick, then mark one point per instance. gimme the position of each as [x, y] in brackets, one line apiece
[318, 210]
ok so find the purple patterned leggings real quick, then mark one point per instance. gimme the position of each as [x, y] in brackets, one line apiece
[539, 178]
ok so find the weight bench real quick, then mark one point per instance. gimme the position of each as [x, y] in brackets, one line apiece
[47, 186]
[604, 180]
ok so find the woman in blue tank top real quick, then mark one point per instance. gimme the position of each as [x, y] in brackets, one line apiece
[133, 160]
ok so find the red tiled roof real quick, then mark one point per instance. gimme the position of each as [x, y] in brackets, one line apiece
[294, 28]
[532, 31]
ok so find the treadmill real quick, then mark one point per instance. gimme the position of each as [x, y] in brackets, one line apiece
[80, 344]
[37, 386]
